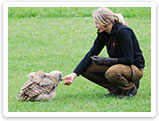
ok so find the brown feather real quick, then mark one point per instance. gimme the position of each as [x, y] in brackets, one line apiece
[39, 83]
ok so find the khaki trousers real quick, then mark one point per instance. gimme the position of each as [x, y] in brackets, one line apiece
[118, 76]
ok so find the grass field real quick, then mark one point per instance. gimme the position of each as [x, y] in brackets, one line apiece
[59, 43]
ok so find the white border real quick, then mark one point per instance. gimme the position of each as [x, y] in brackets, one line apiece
[78, 4]
[79, 114]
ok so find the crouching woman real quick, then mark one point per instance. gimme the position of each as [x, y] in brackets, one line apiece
[121, 72]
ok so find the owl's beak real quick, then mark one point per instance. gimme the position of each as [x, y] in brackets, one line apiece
[60, 77]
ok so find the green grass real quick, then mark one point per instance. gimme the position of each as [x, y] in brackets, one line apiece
[23, 12]
[59, 44]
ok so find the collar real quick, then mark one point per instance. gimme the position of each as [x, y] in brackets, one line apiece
[117, 27]
[114, 28]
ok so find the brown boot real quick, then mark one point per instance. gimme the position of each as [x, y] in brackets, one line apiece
[137, 84]
[115, 91]
[133, 92]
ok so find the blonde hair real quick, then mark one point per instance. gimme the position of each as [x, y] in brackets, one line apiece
[101, 14]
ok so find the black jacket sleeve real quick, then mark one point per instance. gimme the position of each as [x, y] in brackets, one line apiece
[126, 44]
[95, 50]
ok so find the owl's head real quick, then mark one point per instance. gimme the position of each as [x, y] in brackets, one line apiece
[57, 75]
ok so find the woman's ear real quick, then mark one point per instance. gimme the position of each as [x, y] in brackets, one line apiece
[107, 21]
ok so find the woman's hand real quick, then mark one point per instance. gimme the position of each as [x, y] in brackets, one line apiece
[69, 78]
[104, 60]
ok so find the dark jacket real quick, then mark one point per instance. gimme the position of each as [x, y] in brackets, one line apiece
[121, 43]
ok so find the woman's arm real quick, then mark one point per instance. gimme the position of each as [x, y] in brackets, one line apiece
[85, 62]
[95, 50]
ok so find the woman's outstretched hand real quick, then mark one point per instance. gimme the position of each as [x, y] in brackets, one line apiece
[69, 78]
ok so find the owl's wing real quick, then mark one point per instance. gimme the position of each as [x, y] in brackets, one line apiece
[26, 84]
[30, 92]
[33, 77]
[36, 76]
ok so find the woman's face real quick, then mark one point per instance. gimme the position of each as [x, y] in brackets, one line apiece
[103, 28]
[100, 27]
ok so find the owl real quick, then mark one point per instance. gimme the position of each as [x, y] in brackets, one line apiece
[40, 86]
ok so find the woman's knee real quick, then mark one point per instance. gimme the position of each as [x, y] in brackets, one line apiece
[113, 73]
[123, 71]
[137, 73]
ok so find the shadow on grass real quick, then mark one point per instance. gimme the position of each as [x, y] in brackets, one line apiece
[85, 96]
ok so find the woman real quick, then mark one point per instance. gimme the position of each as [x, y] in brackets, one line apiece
[121, 71]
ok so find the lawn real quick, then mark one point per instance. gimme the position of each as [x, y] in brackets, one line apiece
[59, 43]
